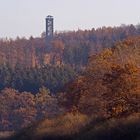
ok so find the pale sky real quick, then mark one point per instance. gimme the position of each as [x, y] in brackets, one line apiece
[27, 17]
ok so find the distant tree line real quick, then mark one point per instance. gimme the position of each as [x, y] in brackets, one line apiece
[73, 47]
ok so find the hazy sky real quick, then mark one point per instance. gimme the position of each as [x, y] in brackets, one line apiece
[27, 17]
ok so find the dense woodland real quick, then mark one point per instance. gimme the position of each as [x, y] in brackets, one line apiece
[31, 79]
[75, 83]
[72, 48]
[102, 104]
[28, 64]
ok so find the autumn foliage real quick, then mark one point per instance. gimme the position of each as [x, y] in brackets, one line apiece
[94, 74]
[18, 110]
[110, 86]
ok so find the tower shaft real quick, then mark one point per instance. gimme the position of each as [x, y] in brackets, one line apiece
[49, 27]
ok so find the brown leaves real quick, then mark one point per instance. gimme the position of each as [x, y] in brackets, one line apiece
[122, 84]
[18, 110]
[111, 82]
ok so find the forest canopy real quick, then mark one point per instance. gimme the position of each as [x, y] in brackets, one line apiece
[95, 73]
